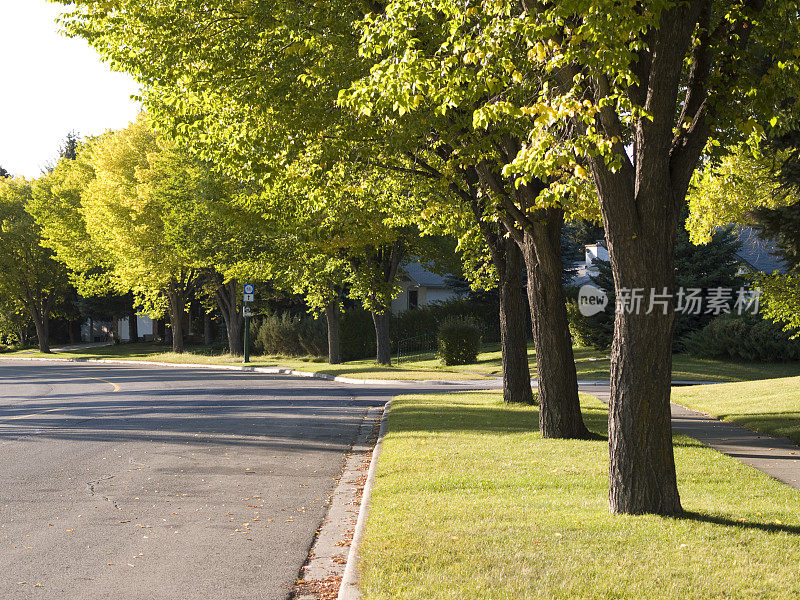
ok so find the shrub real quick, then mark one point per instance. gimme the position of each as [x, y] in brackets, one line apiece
[742, 337]
[459, 341]
[595, 332]
[290, 336]
[414, 323]
[426, 319]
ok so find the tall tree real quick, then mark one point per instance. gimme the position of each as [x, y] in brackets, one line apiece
[29, 275]
[315, 51]
[662, 79]
[429, 87]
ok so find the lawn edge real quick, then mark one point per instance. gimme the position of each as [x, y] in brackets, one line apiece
[247, 369]
[348, 589]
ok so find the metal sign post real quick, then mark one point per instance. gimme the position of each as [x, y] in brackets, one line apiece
[249, 296]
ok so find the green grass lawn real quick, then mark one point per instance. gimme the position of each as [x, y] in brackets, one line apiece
[590, 364]
[594, 365]
[771, 407]
[471, 503]
[366, 369]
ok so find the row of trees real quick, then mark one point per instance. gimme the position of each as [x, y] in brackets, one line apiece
[495, 122]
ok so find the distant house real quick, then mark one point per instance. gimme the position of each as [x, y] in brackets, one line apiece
[100, 331]
[584, 270]
[756, 254]
[420, 287]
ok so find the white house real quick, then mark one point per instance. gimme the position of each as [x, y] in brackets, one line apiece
[756, 254]
[585, 270]
[92, 330]
[420, 287]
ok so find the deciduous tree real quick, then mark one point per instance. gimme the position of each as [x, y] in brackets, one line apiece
[29, 275]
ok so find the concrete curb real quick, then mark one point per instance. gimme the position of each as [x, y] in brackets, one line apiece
[246, 369]
[348, 589]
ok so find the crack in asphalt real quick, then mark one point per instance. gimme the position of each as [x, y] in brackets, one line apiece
[90, 486]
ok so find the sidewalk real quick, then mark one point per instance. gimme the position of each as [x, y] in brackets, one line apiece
[777, 457]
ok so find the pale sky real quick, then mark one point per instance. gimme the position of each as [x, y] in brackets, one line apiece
[50, 85]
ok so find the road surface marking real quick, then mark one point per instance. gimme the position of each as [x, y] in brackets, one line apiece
[36, 414]
[111, 383]
[49, 410]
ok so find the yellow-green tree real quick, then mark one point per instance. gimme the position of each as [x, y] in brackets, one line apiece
[29, 275]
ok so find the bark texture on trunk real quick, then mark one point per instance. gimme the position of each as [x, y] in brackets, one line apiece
[508, 262]
[379, 265]
[227, 297]
[42, 324]
[332, 316]
[537, 231]
[642, 466]
[133, 327]
[640, 201]
[39, 306]
[208, 337]
[513, 338]
[176, 300]
[559, 407]
[382, 340]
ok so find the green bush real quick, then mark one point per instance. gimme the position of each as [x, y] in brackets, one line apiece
[595, 332]
[414, 323]
[289, 336]
[425, 320]
[459, 341]
[742, 337]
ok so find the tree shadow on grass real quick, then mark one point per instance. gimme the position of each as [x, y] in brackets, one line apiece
[717, 520]
[465, 416]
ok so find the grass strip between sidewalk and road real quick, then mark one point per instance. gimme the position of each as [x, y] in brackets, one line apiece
[770, 406]
[471, 502]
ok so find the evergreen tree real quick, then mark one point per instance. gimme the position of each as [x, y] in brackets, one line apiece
[69, 149]
[713, 265]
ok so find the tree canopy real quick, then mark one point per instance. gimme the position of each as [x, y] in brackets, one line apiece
[31, 277]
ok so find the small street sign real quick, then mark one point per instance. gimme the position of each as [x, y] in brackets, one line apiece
[249, 292]
[247, 311]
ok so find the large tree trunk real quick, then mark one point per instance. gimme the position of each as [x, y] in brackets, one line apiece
[226, 296]
[208, 337]
[513, 339]
[559, 407]
[508, 262]
[42, 324]
[332, 317]
[133, 327]
[642, 465]
[382, 340]
[177, 309]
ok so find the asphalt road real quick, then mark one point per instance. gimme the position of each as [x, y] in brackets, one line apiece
[151, 483]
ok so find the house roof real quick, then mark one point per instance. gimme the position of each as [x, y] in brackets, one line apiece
[422, 276]
[759, 253]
